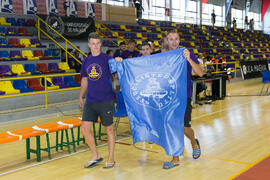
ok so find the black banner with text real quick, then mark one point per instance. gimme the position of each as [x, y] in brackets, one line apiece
[253, 69]
[69, 27]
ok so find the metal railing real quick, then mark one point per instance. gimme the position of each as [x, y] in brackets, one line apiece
[102, 34]
[219, 72]
[46, 90]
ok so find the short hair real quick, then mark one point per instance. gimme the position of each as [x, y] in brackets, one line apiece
[94, 35]
[131, 41]
[161, 40]
[146, 43]
[122, 43]
[172, 32]
[108, 51]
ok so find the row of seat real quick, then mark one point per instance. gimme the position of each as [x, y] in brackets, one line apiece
[20, 43]
[185, 35]
[24, 55]
[20, 86]
[12, 31]
[148, 24]
[235, 43]
[31, 69]
[127, 31]
[11, 21]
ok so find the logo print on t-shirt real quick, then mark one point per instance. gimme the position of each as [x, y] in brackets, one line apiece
[94, 71]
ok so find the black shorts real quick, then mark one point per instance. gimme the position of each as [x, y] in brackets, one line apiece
[187, 120]
[104, 110]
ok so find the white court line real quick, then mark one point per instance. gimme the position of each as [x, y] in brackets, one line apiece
[67, 155]
[36, 118]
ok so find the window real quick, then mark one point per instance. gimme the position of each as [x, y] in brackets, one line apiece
[178, 11]
[257, 22]
[115, 2]
[206, 15]
[155, 10]
[239, 17]
[191, 12]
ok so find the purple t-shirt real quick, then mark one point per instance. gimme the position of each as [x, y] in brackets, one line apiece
[189, 70]
[156, 52]
[127, 54]
[117, 53]
[97, 71]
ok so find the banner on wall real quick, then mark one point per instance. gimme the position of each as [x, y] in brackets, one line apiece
[69, 27]
[89, 10]
[72, 8]
[253, 69]
[266, 16]
[30, 6]
[52, 8]
[6, 6]
[227, 7]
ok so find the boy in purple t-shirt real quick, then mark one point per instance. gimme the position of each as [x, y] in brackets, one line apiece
[131, 52]
[173, 43]
[96, 82]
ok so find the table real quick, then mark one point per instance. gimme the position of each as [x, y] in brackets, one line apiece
[203, 79]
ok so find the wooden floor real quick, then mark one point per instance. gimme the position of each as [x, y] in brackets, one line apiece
[234, 134]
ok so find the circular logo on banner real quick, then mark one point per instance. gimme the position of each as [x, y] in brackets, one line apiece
[56, 23]
[156, 90]
[94, 71]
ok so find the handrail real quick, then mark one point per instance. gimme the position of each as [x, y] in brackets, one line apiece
[46, 91]
[218, 72]
[107, 37]
[66, 40]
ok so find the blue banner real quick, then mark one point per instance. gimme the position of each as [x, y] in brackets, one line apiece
[30, 6]
[6, 6]
[89, 10]
[52, 8]
[155, 94]
[72, 8]
[227, 6]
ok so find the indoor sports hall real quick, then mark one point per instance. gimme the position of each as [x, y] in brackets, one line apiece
[222, 74]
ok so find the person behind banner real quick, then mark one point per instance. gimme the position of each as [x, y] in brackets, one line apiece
[96, 84]
[110, 52]
[131, 52]
[193, 64]
[122, 48]
[164, 46]
[146, 49]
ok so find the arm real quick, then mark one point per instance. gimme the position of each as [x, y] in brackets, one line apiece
[118, 59]
[196, 67]
[83, 90]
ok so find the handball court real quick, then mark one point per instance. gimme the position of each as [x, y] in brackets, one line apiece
[234, 135]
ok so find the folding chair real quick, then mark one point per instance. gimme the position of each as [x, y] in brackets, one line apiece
[265, 80]
[120, 110]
